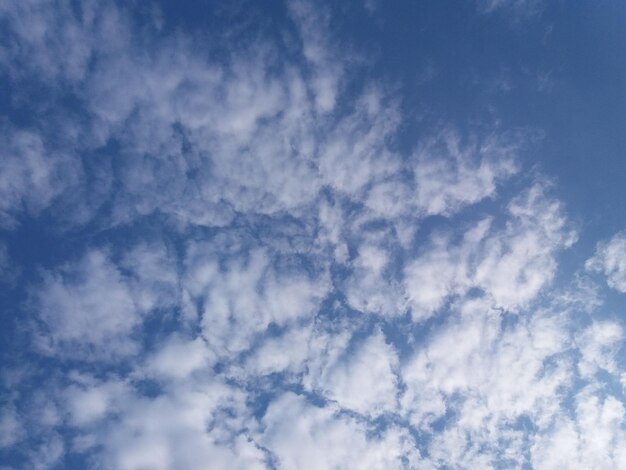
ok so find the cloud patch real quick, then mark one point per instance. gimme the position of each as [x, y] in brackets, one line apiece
[269, 261]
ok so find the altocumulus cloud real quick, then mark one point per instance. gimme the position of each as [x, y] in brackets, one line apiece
[231, 240]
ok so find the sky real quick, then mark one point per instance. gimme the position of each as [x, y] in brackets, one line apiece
[312, 235]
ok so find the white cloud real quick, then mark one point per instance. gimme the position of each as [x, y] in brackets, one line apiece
[245, 294]
[431, 278]
[31, 176]
[486, 378]
[90, 401]
[154, 279]
[188, 425]
[178, 358]
[599, 344]
[48, 453]
[594, 438]
[610, 260]
[354, 153]
[326, 70]
[203, 140]
[515, 9]
[294, 227]
[510, 265]
[362, 379]
[88, 309]
[450, 175]
[286, 353]
[369, 288]
[389, 198]
[181, 442]
[301, 435]
[11, 429]
[522, 260]
[93, 308]
[49, 40]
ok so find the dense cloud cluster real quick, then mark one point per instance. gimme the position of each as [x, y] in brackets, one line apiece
[258, 275]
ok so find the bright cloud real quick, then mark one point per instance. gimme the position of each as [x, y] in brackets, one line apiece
[255, 237]
[610, 260]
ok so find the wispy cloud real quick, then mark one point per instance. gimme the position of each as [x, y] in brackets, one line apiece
[610, 260]
[255, 263]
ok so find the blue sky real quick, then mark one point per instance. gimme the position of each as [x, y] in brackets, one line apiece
[312, 235]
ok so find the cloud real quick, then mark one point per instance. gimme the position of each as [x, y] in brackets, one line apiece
[599, 344]
[243, 295]
[154, 275]
[510, 265]
[178, 358]
[270, 272]
[196, 422]
[48, 41]
[94, 309]
[270, 357]
[31, 176]
[610, 260]
[362, 379]
[371, 287]
[86, 308]
[326, 68]
[594, 438]
[486, 379]
[450, 175]
[11, 428]
[301, 435]
[90, 401]
[520, 9]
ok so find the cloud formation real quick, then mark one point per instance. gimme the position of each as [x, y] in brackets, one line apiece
[251, 264]
[610, 260]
